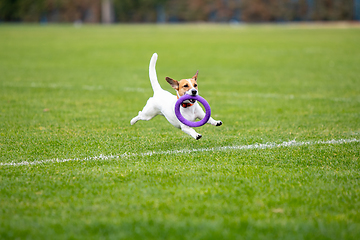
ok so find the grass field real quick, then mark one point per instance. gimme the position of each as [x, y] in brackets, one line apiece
[72, 167]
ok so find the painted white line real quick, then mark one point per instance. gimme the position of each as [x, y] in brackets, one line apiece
[185, 151]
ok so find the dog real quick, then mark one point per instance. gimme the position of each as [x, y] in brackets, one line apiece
[163, 102]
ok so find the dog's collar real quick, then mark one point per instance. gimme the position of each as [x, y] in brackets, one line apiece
[184, 105]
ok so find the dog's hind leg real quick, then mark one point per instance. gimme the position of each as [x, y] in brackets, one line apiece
[148, 112]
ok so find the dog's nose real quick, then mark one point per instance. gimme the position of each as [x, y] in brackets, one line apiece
[193, 92]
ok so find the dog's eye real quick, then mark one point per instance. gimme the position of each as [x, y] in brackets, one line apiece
[186, 85]
[195, 85]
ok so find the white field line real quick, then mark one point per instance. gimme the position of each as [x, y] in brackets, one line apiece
[185, 151]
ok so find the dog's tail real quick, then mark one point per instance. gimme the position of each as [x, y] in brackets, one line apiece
[152, 74]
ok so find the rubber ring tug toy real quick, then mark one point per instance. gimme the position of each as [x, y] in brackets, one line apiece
[187, 122]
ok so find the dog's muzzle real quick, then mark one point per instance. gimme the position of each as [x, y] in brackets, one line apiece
[193, 93]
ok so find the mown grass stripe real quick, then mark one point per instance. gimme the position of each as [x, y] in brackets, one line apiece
[292, 143]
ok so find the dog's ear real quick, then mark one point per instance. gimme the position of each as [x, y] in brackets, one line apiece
[196, 75]
[174, 84]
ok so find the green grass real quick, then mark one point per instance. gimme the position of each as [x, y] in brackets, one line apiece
[266, 83]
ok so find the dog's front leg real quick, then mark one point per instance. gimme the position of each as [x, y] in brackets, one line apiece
[190, 131]
[214, 122]
[200, 114]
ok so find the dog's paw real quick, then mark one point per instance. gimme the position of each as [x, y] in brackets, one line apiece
[198, 136]
[133, 121]
[218, 123]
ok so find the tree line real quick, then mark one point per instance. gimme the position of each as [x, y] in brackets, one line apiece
[92, 11]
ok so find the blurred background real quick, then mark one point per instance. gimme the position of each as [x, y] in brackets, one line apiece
[173, 11]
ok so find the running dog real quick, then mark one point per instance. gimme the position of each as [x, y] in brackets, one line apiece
[163, 102]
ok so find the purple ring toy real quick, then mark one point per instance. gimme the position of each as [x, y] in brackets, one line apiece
[187, 122]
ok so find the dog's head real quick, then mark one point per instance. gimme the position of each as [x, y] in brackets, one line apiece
[185, 86]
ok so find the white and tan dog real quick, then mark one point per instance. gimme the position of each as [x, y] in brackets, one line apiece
[163, 102]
